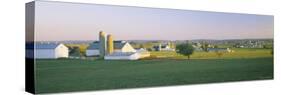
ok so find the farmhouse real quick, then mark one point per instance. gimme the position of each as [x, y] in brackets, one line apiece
[197, 46]
[46, 51]
[161, 47]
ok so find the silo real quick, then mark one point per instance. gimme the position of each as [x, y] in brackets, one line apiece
[102, 42]
[159, 47]
[110, 44]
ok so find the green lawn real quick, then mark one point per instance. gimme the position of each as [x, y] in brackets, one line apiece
[79, 75]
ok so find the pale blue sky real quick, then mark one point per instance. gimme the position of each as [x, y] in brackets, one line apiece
[56, 21]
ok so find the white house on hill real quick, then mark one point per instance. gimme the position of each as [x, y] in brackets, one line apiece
[119, 46]
[47, 51]
[165, 47]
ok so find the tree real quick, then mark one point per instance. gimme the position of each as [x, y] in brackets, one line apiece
[75, 52]
[205, 46]
[185, 49]
[141, 46]
[171, 45]
[216, 46]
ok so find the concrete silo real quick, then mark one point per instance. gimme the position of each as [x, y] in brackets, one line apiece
[159, 47]
[102, 42]
[110, 44]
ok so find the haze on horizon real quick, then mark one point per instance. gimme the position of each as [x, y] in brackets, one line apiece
[57, 21]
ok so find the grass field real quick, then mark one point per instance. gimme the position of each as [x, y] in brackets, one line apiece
[80, 75]
[238, 53]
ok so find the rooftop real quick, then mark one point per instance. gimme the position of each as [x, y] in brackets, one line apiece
[116, 45]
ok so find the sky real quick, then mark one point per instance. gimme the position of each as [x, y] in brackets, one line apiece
[58, 21]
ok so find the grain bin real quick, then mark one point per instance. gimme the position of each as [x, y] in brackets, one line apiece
[102, 42]
[110, 47]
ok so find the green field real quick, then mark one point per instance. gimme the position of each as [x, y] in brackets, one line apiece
[80, 75]
[237, 53]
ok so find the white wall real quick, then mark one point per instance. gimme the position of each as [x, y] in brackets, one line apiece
[128, 48]
[131, 57]
[92, 52]
[61, 51]
[45, 53]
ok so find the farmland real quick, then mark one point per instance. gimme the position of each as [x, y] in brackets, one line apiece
[237, 53]
[163, 68]
[80, 75]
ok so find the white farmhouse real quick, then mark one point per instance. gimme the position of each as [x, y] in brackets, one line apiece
[165, 47]
[47, 51]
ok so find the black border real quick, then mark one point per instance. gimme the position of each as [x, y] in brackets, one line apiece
[29, 52]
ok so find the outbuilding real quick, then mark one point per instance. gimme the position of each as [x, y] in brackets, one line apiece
[122, 56]
[47, 51]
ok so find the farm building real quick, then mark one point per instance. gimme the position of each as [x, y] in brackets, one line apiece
[161, 47]
[109, 49]
[119, 46]
[46, 51]
[197, 46]
[122, 56]
[93, 49]
[127, 55]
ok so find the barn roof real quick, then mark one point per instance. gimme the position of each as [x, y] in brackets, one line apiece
[116, 45]
[94, 45]
[42, 45]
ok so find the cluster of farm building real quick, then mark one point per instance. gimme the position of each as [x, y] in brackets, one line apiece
[105, 48]
[109, 49]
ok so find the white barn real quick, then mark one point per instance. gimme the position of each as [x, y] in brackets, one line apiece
[122, 56]
[93, 49]
[47, 51]
[127, 55]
